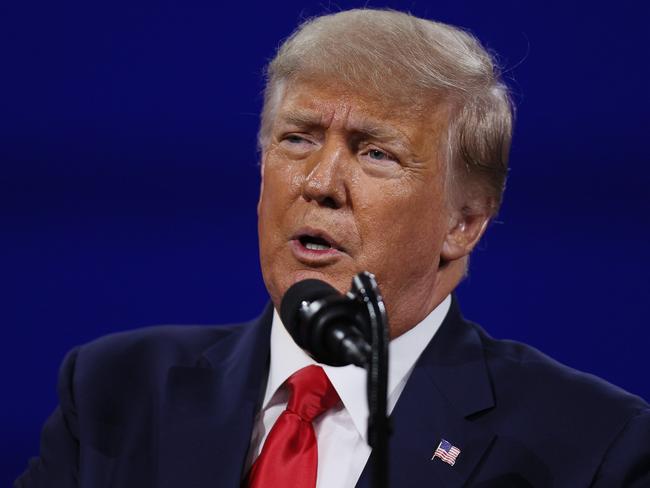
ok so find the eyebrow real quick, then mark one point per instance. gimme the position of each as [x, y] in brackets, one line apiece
[365, 127]
[300, 118]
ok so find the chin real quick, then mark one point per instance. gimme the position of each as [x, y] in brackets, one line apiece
[335, 279]
[285, 280]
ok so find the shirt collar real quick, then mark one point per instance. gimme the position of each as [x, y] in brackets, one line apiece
[350, 381]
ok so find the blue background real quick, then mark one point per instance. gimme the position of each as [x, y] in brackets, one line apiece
[129, 180]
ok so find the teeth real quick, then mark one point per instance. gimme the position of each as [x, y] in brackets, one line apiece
[316, 247]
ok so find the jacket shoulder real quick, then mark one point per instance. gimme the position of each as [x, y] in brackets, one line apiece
[134, 364]
[569, 399]
[536, 374]
[173, 343]
[548, 409]
[110, 391]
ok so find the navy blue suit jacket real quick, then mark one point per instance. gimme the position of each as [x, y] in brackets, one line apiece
[174, 407]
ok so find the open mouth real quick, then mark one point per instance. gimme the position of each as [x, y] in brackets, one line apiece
[314, 243]
[314, 247]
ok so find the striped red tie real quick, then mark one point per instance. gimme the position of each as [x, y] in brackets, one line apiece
[289, 457]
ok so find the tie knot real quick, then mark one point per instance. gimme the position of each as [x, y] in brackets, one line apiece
[310, 393]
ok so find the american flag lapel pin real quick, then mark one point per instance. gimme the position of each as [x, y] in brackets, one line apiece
[447, 452]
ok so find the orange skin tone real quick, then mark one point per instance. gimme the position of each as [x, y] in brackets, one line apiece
[368, 172]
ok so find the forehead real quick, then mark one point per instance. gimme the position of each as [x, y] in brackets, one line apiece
[336, 105]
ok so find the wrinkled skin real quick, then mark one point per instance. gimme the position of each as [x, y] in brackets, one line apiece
[365, 173]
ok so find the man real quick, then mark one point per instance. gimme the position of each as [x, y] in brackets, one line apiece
[384, 142]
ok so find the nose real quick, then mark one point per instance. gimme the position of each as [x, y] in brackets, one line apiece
[326, 182]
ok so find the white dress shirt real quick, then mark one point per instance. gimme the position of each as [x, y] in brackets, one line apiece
[341, 432]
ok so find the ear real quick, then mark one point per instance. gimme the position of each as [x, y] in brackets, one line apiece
[466, 227]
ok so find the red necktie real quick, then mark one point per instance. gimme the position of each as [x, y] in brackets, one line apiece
[290, 454]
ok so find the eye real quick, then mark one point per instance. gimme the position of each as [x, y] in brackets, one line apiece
[294, 139]
[378, 156]
[295, 144]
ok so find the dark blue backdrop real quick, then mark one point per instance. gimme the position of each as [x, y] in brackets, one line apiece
[128, 180]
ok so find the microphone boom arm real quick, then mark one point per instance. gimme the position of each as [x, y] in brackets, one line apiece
[365, 289]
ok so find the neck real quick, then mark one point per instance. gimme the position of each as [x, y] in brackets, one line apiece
[447, 278]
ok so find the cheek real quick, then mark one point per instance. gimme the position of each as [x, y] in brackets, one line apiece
[281, 181]
[281, 186]
[403, 230]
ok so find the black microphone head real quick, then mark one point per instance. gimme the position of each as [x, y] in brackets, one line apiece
[325, 323]
[304, 291]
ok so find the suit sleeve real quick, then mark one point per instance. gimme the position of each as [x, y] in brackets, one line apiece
[627, 461]
[57, 465]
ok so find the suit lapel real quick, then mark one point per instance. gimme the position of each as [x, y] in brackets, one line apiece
[449, 384]
[208, 411]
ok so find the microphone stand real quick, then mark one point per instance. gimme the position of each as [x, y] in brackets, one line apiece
[348, 329]
[366, 290]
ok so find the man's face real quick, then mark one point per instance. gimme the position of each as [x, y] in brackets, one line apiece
[353, 182]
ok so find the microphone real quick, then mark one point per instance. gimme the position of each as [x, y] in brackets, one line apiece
[326, 324]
